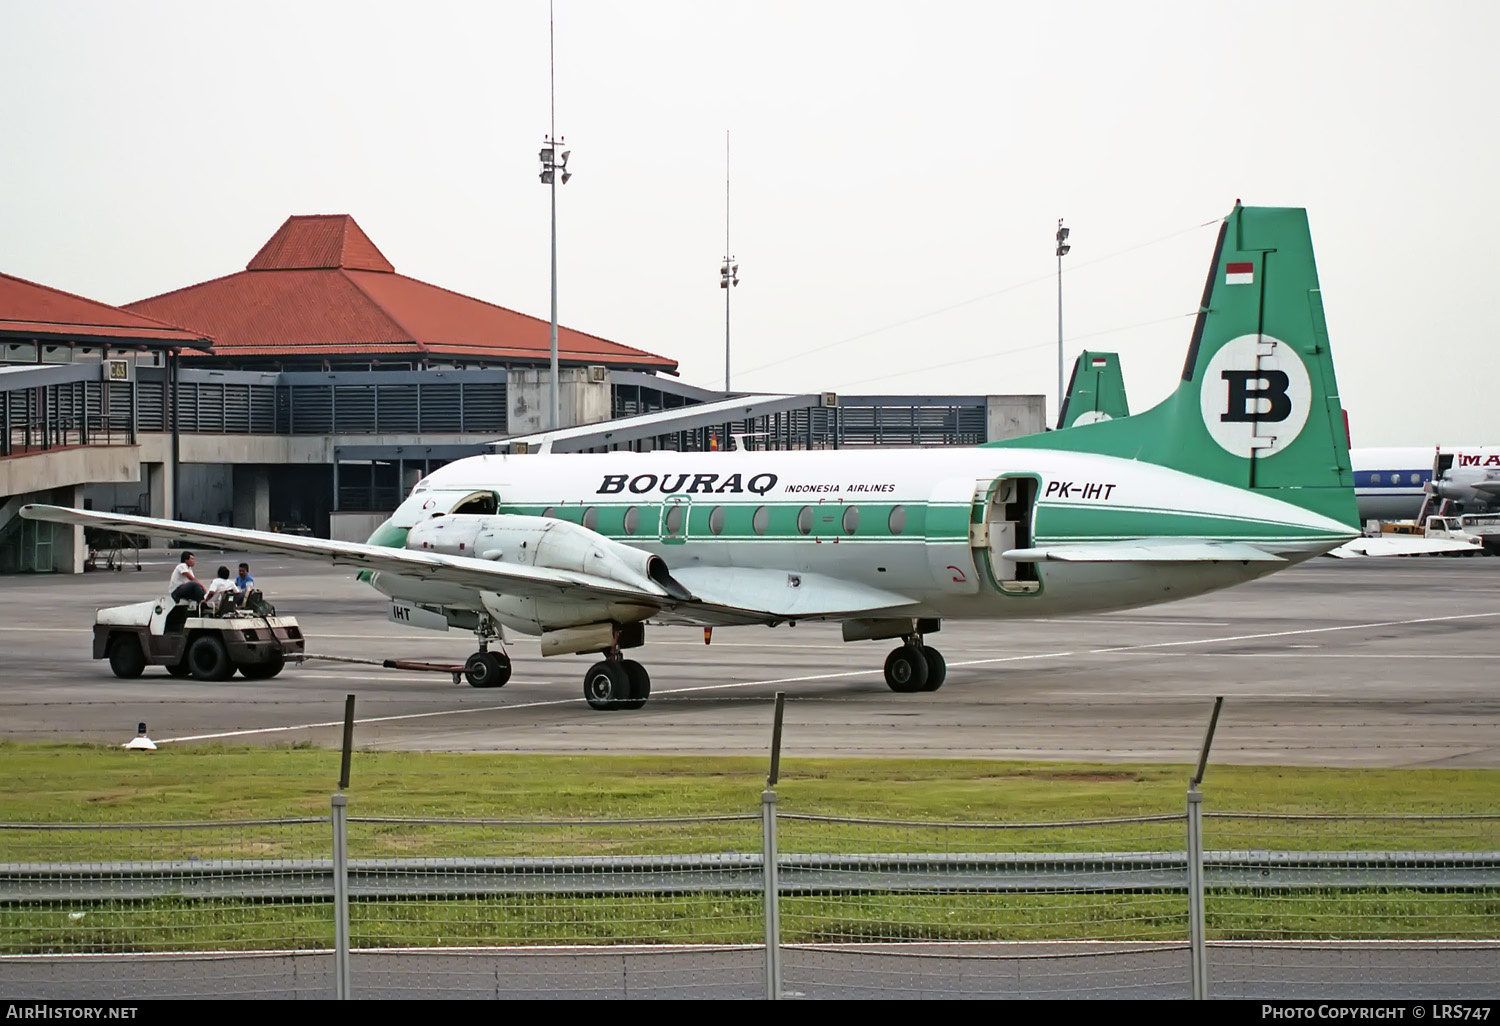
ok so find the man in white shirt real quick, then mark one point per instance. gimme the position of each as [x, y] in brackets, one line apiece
[222, 591]
[184, 585]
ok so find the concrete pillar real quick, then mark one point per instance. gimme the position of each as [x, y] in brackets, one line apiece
[252, 497]
[1013, 416]
[583, 397]
[68, 547]
[159, 492]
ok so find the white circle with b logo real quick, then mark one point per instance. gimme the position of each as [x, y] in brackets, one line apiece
[1255, 395]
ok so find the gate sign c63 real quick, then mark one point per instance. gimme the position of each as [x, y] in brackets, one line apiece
[1255, 396]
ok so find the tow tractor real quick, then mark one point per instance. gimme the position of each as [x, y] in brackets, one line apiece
[192, 640]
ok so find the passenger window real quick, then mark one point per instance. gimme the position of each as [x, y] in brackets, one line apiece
[716, 520]
[761, 522]
[591, 518]
[632, 520]
[851, 519]
[674, 520]
[804, 520]
[898, 519]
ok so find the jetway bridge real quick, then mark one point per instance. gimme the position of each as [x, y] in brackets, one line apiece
[331, 453]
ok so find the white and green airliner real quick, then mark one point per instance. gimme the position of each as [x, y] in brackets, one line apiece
[1242, 471]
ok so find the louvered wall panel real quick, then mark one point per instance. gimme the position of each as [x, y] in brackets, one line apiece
[441, 407]
[236, 408]
[354, 409]
[312, 409]
[484, 407]
[399, 407]
[152, 414]
[119, 415]
[260, 409]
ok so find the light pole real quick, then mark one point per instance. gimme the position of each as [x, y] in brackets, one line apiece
[729, 273]
[1062, 250]
[554, 167]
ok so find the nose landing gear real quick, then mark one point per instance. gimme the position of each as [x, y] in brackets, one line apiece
[486, 669]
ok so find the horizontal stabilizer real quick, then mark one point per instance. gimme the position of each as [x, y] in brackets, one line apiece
[1146, 550]
[1402, 545]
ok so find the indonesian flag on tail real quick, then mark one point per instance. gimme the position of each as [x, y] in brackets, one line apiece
[1098, 361]
[1240, 274]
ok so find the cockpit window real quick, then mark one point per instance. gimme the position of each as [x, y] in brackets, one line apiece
[479, 502]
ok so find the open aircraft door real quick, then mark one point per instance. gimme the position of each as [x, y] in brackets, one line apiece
[1001, 521]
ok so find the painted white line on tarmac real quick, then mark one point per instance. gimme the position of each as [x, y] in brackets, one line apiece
[833, 676]
[50, 630]
[1383, 656]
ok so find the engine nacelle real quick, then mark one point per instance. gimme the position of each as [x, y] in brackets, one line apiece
[545, 543]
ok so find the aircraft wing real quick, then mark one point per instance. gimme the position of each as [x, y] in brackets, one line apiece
[720, 596]
[1146, 550]
[1401, 545]
[482, 574]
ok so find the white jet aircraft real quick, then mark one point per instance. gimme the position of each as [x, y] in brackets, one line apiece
[1242, 471]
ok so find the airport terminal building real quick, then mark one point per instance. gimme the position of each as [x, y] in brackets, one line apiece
[311, 390]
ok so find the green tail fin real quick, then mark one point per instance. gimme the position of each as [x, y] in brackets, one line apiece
[1258, 405]
[1096, 391]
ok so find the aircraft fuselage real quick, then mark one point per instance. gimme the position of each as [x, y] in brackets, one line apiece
[928, 525]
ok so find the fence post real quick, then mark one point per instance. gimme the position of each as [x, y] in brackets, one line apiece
[1195, 893]
[1196, 928]
[340, 819]
[772, 894]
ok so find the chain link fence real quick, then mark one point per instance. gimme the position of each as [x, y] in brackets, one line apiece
[228, 909]
[1392, 906]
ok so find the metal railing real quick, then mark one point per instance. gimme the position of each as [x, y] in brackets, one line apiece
[51, 407]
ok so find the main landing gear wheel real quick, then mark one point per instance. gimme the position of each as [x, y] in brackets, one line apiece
[937, 668]
[906, 669]
[607, 686]
[640, 684]
[487, 669]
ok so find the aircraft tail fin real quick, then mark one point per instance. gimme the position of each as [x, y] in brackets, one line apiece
[1258, 405]
[1096, 391]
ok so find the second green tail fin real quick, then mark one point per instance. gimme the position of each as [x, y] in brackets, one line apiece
[1096, 391]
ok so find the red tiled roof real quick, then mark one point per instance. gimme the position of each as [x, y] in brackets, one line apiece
[320, 287]
[319, 240]
[29, 310]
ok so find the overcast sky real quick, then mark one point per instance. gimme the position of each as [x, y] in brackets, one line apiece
[897, 172]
